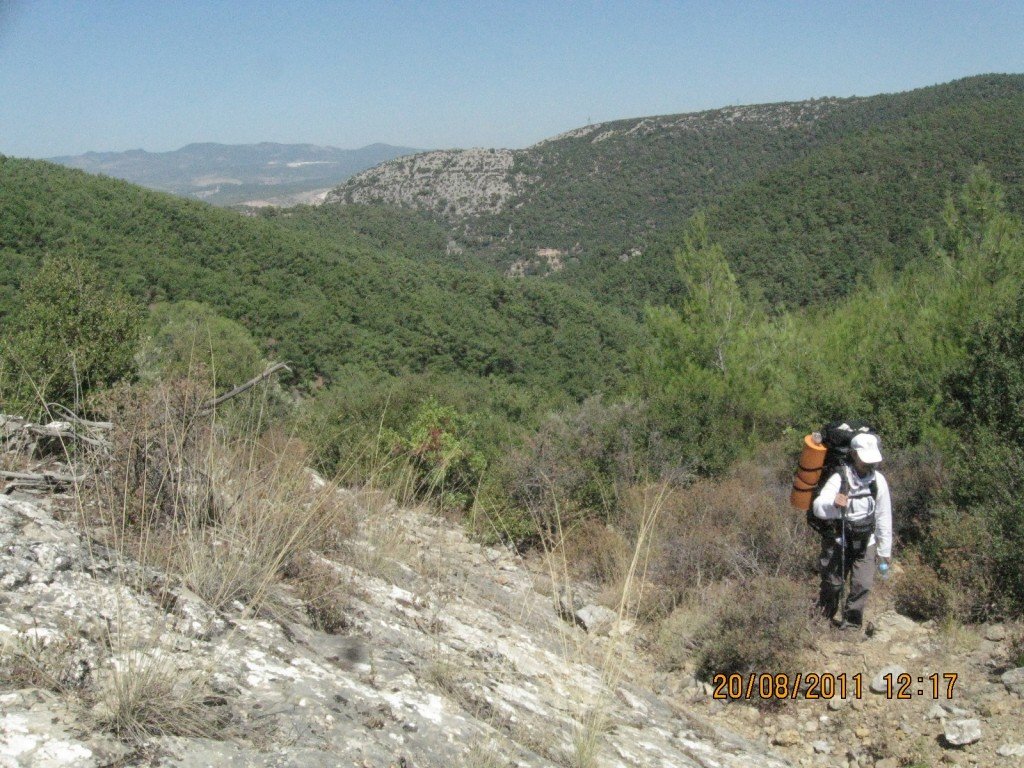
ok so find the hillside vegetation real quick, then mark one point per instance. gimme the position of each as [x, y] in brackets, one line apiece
[817, 226]
[613, 184]
[325, 304]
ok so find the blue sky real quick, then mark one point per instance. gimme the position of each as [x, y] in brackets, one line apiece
[116, 75]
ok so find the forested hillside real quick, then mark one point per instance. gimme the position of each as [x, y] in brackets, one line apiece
[611, 199]
[816, 226]
[322, 303]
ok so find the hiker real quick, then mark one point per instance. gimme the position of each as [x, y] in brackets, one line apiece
[856, 500]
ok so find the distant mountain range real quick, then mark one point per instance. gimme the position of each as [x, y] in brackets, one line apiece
[232, 174]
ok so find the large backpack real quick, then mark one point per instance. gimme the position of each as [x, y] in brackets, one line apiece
[835, 438]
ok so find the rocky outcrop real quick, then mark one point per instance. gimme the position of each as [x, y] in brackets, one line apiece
[448, 182]
[449, 657]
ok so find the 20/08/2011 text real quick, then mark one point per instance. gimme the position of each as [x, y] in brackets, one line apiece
[826, 685]
[763, 685]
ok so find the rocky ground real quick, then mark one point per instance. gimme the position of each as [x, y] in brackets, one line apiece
[446, 653]
[981, 723]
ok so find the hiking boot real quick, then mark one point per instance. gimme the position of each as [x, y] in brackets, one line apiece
[853, 617]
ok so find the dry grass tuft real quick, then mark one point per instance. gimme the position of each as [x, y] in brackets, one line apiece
[445, 676]
[627, 567]
[42, 660]
[484, 755]
[145, 695]
[588, 737]
[277, 513]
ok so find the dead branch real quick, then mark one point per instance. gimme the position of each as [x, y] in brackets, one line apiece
[43, 478]
[244, 387]
[56, 430]
[74, 418]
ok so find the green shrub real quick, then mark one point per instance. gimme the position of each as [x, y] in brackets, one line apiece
[715, 372]
[494, 520]
[439, 446]
[181, 337]
[976, 560]
[70, 336]
[986, 396]
[344, 423]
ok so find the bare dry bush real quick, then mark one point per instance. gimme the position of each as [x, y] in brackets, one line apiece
[226, 512]
[764, 624]
[577, 462]
[323, 591]
[598, 551]
[1016, 650]
[160, 465]
[737, 527]
[732, 560]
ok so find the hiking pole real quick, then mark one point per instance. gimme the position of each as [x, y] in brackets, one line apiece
[844, 489]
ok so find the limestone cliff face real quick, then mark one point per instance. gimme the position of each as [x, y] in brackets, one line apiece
[450, 656]
[449, 182]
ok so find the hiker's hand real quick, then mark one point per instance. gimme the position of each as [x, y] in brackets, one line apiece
[840, 500]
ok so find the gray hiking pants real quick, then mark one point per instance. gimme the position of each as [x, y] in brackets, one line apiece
[860, 569]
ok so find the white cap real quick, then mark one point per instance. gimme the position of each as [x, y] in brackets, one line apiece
[866, 447]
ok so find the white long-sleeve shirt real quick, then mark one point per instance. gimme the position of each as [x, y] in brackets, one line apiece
[860, 504]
